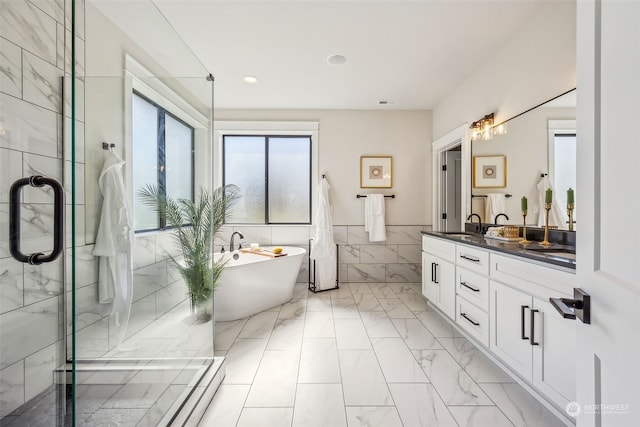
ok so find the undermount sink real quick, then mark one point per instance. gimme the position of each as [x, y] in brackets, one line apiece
[563, 254]
[457, 234]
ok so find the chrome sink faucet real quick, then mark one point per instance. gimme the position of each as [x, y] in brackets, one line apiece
[495, 220]
[479, 226]
[231, 245]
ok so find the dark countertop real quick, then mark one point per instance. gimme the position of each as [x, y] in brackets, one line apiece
[563, 256]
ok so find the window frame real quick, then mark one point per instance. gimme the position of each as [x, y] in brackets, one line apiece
[162, 112]
[266, 137]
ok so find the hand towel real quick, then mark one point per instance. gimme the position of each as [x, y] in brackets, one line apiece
[557, 215]
[494, 205]
[374, 218]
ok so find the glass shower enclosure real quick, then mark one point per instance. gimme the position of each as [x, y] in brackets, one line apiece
[92, 331]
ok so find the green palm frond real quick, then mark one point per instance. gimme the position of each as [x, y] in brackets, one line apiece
[195, 225]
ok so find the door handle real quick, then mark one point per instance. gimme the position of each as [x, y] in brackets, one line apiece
[522, 309]
[579, 306]
[532, 330]
[36, 258]
[435, 269]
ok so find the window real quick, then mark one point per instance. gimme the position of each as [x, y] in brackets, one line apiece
[162, 156]
[274, 177]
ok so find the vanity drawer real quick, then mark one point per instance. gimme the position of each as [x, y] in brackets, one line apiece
[473, 320]
[473, 286]
[444, 249]
[473, 259]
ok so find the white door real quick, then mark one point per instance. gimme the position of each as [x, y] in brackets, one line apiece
[429, 286]
[608, 263]
[445, 275]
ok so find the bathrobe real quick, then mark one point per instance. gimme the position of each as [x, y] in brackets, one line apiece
[113, 243]
[323, 247]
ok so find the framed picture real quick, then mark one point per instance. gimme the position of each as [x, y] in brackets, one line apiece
[489, 171]
[376, 172]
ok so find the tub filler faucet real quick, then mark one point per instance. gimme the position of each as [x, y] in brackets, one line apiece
[231, 245]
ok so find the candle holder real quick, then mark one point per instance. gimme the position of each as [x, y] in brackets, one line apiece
[524, 240]
[570, 208]
[545, 242]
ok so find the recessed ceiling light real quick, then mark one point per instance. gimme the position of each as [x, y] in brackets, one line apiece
[250, 79]
[337, 59]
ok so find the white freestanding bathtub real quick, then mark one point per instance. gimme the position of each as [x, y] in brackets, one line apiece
[254, 283]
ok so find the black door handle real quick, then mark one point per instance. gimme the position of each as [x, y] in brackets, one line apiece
[435, 275]
[14, 220]
[522, 309]
[579, 306]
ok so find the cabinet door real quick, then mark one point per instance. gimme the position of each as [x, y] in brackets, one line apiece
[509, 319]
[429, 287]
[445, 276]
[554, 355]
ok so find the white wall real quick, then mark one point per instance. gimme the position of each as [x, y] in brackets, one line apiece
[345, 135]
[536, 65]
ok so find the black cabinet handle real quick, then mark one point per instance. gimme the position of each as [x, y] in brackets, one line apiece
[532, 331]
[436, 273]
[36, 258]
[522, 309]
[470, 287]
[433, 264]
[468, 258]
[469, 320]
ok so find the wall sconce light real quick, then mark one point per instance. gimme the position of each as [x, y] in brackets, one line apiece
[485, 129]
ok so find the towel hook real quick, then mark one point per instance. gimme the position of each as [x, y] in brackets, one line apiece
[107, 146]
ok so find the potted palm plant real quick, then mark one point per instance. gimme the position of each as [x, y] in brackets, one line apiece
[195, 225]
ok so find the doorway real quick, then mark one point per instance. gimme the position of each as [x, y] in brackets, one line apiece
[451, 189]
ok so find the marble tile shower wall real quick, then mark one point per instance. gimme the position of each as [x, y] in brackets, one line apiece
[397, 260]
[34, 114]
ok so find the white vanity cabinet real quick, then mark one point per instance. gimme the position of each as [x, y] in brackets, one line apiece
[527, 332]
[438, 274]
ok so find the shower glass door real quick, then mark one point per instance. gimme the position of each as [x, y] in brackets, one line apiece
[144, 112]
[35, 148]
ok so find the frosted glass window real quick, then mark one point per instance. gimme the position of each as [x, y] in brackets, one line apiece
[273, 174]
[178, 159]
[245, 167]
[564, 173]
[145, 159]
[162, 157]
[289, 178]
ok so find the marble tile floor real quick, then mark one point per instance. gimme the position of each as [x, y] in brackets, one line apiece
[371, 355]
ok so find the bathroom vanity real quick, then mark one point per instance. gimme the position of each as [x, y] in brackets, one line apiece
[497, 293]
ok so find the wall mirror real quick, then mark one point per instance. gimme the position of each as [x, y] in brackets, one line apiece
[539, 141]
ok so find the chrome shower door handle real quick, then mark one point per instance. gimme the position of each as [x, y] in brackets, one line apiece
[15, 205]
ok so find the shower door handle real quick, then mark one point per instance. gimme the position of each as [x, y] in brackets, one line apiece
[14, 220]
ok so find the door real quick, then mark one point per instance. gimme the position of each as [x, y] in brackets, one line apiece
[451, 193]
[445, 275]
[429, 287]
[608, 65]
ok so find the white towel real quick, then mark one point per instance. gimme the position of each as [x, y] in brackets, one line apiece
[494, 205]
[557, 215]
[374, 218]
